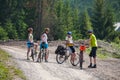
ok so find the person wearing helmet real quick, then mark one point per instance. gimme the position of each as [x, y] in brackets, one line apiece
[70, 44]
[93, 44]
[44, 43]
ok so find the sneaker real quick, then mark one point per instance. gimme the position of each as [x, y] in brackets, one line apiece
[90, 66]
[94, 66]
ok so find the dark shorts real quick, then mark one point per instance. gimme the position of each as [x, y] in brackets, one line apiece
[72, 49]
[93, 52]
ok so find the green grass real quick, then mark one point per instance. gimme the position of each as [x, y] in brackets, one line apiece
[117, 48]
[4, 73]
[8, 71]
[100, 54]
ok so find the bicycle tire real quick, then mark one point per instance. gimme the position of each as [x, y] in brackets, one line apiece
[81, 65]
[76, 61]
[40, 56]
[43, 56]
[81, 59]
[60, 58]
[32, 54]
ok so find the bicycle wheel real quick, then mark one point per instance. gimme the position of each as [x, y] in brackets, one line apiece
[39, 57]
[46, 56]
[43, 56]
[32, 54]
[60, 58]
[76, 60]
[81, 59]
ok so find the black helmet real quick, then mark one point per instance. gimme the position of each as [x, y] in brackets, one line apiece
[90, 31]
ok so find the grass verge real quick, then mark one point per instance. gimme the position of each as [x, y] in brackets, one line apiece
[7, 70]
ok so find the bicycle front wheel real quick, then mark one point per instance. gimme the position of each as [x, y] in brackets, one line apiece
[60, 58]
[32, 54]
[75, 62]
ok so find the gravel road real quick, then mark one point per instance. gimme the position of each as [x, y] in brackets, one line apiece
[46, 71]
[108, 69]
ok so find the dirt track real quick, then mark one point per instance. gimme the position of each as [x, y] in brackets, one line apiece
[106, 70]
[46, 71]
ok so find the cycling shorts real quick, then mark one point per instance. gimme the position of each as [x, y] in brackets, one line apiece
[93, 52]
[43, 45]
[29, 44]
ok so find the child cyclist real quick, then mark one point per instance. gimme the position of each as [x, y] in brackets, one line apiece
[30, 42]
[70, 44]
[44, 43]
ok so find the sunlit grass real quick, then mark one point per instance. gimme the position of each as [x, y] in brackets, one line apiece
[7, 71]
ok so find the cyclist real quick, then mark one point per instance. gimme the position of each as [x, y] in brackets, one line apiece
[70, 44]
[93, 44]
[30, 42]
[44, 43]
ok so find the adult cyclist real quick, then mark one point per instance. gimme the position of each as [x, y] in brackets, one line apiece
[93, 44]
[70, 44]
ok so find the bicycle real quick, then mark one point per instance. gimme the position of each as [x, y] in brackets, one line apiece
[42, 54]
[33, 53]
[62, 55]
[82, 49]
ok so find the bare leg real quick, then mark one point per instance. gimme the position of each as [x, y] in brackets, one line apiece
[94, 60]
[90, 63]
[73, 56]
[90, 59]
[38, 57]
[28, 53]
[47, 53]
[36, 46]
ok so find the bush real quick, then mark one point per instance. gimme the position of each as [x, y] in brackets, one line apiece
[11, 30]
[117, 40]
[3, 34]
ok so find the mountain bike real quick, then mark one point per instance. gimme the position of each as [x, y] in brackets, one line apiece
[63, 55]
[81, 59]
[43, 55]
[82, 49]
[33, 53]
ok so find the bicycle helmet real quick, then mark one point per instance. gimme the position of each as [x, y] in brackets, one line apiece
[69, 33]
[90, 31]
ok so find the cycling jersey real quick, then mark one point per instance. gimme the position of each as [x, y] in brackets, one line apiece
[70, 41]
[44, 38]
[93, 41]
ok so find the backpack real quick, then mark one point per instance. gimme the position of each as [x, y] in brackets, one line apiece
[60, 50]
